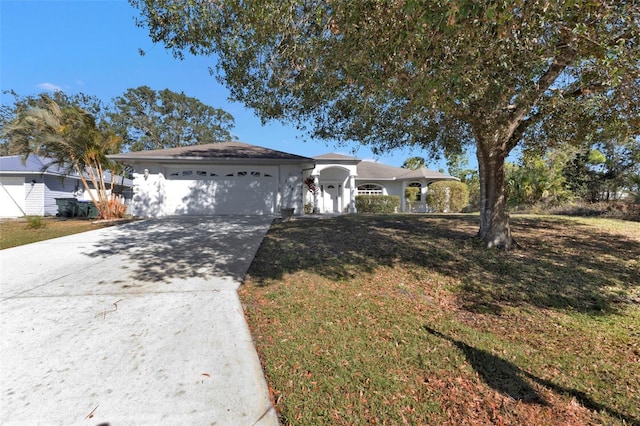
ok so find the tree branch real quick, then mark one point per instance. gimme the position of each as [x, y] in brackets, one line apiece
[518, 123]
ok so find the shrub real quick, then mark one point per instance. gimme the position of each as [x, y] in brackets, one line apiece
[437, 197]
[35, 222]
[447, 196]
[411, 194]
[308, 208]
[112, 207]
[377, 203]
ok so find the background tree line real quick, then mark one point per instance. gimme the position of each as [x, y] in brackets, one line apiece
[592, 172]
[141, 118]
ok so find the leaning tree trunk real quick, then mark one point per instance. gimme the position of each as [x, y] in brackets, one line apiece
[494, 218]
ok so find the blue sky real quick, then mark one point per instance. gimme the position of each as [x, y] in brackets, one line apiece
[91, 46]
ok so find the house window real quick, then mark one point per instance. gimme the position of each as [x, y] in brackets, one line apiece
[417, 185]
[256, 174]
[187, 172]
[213, 174]
[242, 173]
[369, 189]
[201, 173]
[267, 175]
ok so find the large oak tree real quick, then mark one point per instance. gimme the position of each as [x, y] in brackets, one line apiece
[433, 74]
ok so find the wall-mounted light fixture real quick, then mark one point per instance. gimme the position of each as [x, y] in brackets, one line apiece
[33, 182]
[146, 174]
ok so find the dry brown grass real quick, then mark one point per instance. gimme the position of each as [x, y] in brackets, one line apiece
[407, 319]
[16, 232]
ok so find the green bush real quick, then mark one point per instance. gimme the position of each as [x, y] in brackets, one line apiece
[437, 197]
[447, 196]
[377, 203]
[411, 194]
[35, 222]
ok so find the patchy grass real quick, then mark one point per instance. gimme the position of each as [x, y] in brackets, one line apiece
[17, 232]
[407, 319]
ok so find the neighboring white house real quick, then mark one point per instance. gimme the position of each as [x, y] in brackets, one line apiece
[238, 178]
[30, 186]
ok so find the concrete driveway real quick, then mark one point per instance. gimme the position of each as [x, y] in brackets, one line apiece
[130, 325]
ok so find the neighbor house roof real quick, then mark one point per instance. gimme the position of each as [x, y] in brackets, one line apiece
[33, 164]
[37, 165]
[224, 151]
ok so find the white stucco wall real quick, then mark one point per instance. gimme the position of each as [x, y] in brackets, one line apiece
[148, 195]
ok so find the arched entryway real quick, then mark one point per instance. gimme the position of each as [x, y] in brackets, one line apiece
[335, 193]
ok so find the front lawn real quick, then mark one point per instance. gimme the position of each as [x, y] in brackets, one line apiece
[406, 319]
[16, 232]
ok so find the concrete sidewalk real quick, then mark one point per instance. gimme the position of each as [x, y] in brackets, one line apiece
[130, 325]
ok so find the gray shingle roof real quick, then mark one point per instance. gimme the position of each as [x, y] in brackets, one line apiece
[373, 170]
[424, 173]
[213, 151]
[334, 156]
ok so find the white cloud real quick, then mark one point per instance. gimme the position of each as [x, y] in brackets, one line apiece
[50, 87]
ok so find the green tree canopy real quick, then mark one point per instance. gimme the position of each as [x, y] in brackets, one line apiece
[604, 171]
[431, 74]
[149, 119]
[538, 180]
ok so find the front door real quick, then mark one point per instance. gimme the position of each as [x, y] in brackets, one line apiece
[331, 199]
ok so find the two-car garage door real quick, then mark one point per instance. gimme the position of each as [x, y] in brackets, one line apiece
[197, 190]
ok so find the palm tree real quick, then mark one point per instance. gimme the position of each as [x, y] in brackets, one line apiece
[69, 136]
[414, 163]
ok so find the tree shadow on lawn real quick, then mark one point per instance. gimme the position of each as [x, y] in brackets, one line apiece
[508, 379]
[562, 264]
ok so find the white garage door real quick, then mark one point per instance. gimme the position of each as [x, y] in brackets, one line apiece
[221, 190]
[11, 196]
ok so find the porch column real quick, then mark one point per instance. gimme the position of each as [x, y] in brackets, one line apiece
[352, 194]
[403, 198]
[316, 184]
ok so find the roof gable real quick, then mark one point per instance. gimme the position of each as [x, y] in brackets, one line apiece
[335, 156]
